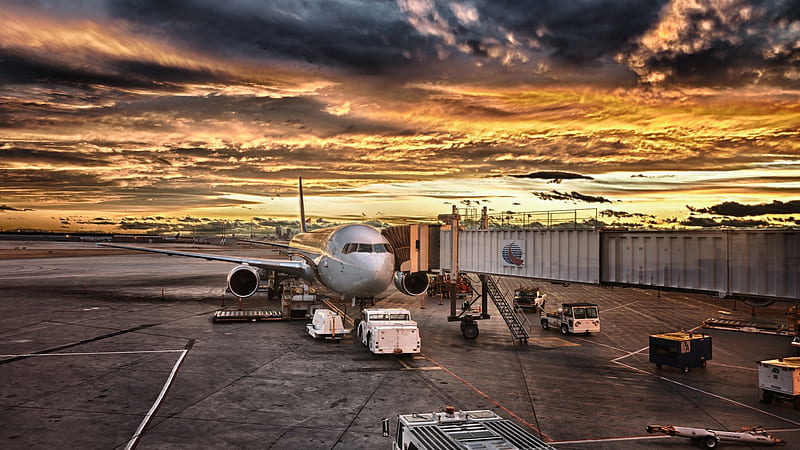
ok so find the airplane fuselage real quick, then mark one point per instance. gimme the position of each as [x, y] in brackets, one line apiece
[354, 260]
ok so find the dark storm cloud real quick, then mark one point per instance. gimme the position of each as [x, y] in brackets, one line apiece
[736, 209]
[16, 68]
[366, 36]
[721, 43]
[577, 32]
[698, 42]
[46, 156]
[573, 196]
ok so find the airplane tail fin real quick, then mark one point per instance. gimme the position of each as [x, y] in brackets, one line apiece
[302, 206]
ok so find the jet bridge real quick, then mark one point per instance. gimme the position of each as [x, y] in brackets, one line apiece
[760, 266]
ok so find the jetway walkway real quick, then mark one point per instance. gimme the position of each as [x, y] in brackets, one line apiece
[760, 266]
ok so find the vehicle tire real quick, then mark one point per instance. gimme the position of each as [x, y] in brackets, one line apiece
[685, 368]
[766, 396]
[564, 329]
[710, 442]
[545, 325]
[469, 330]
[796, 403]
[703, 364]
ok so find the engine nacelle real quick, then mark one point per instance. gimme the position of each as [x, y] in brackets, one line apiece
[243, 281]
[411, 283]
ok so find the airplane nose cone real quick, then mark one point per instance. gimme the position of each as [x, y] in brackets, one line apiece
[377, 271]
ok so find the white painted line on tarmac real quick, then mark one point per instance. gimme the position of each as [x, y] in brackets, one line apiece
[135, 438]
[620, 306]
[630, 354]
[28, 355]
[710, 394]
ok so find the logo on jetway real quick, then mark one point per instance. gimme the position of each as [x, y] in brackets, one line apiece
[513, 253]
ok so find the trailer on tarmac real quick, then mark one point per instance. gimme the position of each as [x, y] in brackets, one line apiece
[780, 379]
[680, 349]
[711, 438]
[327, 324]
[455, 430]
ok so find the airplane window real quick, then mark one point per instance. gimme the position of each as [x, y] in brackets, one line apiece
[364, 248]
[380, 248]
[349, 248]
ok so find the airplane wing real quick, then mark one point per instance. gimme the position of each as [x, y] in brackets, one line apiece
[274, 244]
[298, 268]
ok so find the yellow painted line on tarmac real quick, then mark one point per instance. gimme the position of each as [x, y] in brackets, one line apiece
[407, 367]
[552, 342]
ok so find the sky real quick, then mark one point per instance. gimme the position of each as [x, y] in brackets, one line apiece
[151, 116]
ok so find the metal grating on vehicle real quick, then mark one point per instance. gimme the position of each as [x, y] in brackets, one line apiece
[245, 315]
[746, 326]
[433, 437]
[516, 435]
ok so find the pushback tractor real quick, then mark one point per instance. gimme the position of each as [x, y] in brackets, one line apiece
[455, 430]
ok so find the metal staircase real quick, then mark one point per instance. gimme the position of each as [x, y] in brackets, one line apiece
[515, 318]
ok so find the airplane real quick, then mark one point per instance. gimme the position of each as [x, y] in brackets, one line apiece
[353, 260]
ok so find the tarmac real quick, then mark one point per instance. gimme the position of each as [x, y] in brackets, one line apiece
[115, 350]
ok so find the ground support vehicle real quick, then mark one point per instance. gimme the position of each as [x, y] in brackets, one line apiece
[780, 379]
[572, 318]
[528, 297]
[712, 438]
[452, 430]
[327, 324]
[388, 331]
[680, 349]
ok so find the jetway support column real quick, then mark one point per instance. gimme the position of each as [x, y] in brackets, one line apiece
[484, 297]
[454, 270]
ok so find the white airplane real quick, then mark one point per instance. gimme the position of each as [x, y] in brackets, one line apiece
[353, 260]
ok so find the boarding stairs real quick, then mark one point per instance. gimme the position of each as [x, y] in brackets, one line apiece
[515, 318]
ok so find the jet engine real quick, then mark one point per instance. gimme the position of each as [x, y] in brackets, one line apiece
[243, 281]
[411, 283]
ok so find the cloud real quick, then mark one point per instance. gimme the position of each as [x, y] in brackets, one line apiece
[624, 214]
[706, 222]
[11, 208]
[713, 43]
[573, 196]
[741, 210]
[554, 177]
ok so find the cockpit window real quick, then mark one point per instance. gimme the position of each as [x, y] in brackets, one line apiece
[365, 248]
